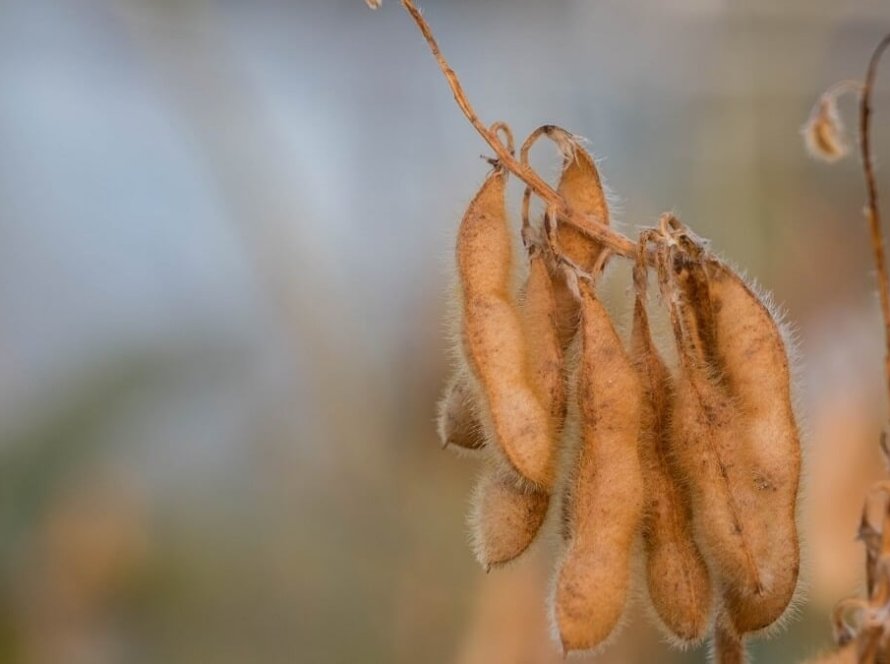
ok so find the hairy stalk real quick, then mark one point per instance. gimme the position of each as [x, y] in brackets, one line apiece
[616, 242]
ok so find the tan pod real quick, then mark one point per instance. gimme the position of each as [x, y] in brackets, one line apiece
[766, 464]
[605, 501]
[735, 438]
[506, 516]
[458, 422]
[582, 190]
[539, 318]
[676, 574]
[494, 340]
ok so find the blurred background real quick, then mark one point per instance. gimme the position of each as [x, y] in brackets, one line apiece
[225, 260]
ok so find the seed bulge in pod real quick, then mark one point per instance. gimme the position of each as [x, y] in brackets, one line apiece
[677, 576]
[605, 500]
[493, 338]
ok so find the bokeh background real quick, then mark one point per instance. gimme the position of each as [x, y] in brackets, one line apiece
[224, 268]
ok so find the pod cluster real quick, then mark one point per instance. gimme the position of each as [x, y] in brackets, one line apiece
[696, 466]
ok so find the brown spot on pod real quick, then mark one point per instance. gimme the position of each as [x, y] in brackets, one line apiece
[605, 497]
[677, 576]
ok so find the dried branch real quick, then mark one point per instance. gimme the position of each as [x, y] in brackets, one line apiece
[616, 242]
[871, 211]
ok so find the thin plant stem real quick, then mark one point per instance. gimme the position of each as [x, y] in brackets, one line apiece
[872, 211]
[616, 242]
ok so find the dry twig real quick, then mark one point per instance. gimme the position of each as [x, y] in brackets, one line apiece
[616, 242]
[872, 212]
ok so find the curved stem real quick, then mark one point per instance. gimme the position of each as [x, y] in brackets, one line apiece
[848, 85]
[618, 243]
[527, 193]
[872, 211]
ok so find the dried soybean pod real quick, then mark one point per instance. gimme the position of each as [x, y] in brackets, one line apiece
[824, 133]
[506, 516]
[677, 576]
[703, 435]
[458, 418]
[581, 188]
[457, 422]
[697, 312]
[493, 337]
[764, 457]
[606, 494]
[733, 433]
[539, 316]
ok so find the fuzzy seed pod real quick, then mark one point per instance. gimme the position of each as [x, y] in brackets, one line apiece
[539, 315]
[458, 423]
[605, 501]
[823, 133]
[677, 576]
[756, 367]
[506, 516]
[735, 438]
[582, 190]
[494, 340]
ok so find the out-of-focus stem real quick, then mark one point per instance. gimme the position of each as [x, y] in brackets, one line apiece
[872, 211]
